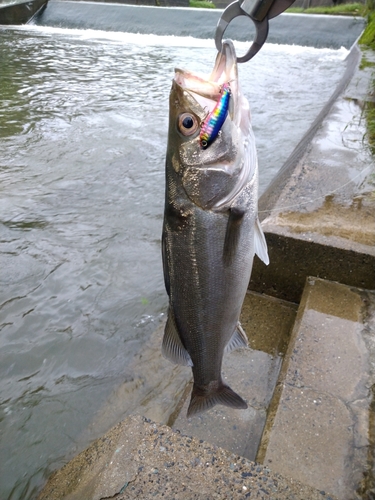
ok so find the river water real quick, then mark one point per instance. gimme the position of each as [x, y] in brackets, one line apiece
[83, 131]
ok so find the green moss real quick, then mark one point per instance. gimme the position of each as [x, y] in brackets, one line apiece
[349, 9]
[204, 4]
[368, 40]
[365, 63]
[368, 36]
[370, 119]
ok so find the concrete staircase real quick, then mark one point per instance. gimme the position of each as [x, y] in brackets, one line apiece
[319, 428]
[309, 380]
[311, 410]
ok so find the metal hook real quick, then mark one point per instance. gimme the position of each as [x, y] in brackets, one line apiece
[259, 11]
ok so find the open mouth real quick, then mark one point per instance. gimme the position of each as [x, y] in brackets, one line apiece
[208, 91]
[217, 96]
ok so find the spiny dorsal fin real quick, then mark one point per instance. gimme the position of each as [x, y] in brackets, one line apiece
[172, 347]
[260, 244]
[238, 339]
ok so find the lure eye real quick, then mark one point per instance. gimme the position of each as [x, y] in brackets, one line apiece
[187, 124]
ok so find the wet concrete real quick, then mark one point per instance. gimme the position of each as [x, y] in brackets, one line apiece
[324, 397]
[140, 459]
[21, 12]
[160, 391]
[318, 214]
[252, 373]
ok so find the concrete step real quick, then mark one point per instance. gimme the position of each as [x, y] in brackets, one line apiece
[160, 391]
[308, 379]
[138, 459]
[320, 428]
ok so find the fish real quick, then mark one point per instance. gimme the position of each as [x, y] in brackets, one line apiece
[211, 229]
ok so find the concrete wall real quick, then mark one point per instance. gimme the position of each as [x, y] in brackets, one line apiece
[221, 4]
[153, 3]
[317, 3]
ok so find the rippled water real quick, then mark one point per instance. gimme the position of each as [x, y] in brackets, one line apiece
[83, 131]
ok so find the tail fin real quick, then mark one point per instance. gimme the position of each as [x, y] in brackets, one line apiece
[203, 399]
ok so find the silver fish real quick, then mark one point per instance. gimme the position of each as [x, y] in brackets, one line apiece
[211, 229]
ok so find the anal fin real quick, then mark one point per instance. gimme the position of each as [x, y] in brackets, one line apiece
[260, 244]
[238, 339]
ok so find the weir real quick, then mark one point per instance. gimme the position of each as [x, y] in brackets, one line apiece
[296, 29]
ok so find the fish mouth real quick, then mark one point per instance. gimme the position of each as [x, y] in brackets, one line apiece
[212, 176]
[207, 91]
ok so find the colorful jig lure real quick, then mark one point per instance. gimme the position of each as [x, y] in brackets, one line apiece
[214, 120]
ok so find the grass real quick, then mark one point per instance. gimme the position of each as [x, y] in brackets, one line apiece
[370, 119]
[367, 40]
[368, 37]
[347, 9]
[203, 4]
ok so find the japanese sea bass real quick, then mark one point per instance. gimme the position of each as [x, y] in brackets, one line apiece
[211, 228]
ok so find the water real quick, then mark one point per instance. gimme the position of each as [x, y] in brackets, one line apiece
[83, 131]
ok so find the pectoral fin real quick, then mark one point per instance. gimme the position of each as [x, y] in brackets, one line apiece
[260, 244]
[172, 347]
[232, 235]
[239, 339]
[165, 264]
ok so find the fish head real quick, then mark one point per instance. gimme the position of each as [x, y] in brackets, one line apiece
[212, 176]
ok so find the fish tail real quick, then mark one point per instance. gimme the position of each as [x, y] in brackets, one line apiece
[215, 393]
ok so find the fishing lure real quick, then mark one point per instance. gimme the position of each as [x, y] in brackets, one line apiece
[214, 120]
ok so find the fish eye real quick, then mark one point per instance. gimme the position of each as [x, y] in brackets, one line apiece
[187, 124]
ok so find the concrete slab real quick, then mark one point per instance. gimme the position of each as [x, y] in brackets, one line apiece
[21, 12]
[252, 373]
[140, 459]
[318, 431]
[319, 211]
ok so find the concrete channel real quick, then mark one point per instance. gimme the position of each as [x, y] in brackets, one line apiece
[309, 374]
